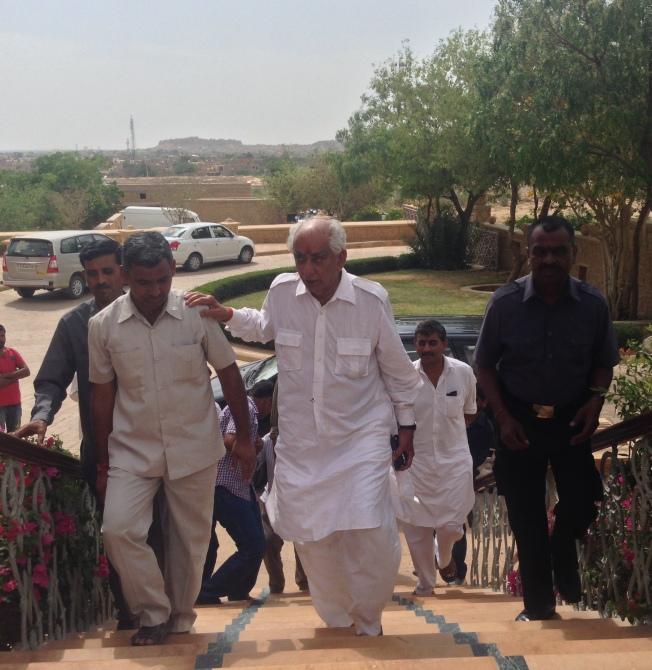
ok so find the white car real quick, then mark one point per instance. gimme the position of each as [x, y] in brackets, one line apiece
[194, 244]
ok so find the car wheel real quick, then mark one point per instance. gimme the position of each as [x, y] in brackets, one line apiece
[246, 255]
[25, 292]
[76, 287]
[194, 263]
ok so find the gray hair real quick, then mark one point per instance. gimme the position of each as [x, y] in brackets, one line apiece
[336, 234]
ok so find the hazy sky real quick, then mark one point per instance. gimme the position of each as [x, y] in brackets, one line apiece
[261, 71]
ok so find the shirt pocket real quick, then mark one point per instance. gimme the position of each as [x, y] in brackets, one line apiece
[188, 361]
[289, 349]
[128, 366]
[453, 406]
[352, 359]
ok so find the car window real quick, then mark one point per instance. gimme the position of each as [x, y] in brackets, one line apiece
[174, 231]
[187, 218]
[25, 247]
[200, 234]
[69, 245]
[99, 238]
[83, 240]
[220, 231]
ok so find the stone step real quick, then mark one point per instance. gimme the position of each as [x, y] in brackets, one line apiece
[123, 639]
[394, 650]
[533, 645]
[103, 653]
[167, 663]
[469, 663]
[616, 660]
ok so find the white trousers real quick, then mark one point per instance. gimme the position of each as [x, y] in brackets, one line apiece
[423, 550]
[151, 596]
[351, 574]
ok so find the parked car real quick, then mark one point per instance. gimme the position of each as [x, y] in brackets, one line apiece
[47, 260]
[462, 332]
[194, 244]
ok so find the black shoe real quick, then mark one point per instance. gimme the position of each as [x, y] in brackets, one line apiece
[207, 600]
[545, 615]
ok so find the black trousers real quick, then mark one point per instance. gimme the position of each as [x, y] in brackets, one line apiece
[521, 477]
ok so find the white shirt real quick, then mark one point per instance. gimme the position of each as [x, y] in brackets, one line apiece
[442, 469]
[164, 415]
[344, 382]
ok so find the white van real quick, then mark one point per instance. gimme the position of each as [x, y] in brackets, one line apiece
[156, 217]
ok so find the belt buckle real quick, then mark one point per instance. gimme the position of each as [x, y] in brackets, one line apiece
[544, 411]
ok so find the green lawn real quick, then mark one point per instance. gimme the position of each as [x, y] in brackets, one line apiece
[420, 291]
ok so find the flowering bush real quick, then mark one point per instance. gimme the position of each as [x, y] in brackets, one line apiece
[49, 544]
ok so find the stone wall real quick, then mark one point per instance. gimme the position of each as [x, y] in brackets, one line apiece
[248, 211]
[589, 264]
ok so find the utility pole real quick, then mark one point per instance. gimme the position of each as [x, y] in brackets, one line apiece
[133, 138]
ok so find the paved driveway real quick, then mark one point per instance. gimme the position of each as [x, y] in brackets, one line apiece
[31, 323]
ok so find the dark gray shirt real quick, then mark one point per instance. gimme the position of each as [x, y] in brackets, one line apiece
[67, 355]
[546, 353]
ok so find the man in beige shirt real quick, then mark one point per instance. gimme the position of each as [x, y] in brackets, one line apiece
[155, 427]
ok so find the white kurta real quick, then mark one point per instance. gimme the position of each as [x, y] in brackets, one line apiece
[442, 470]
[344, 381]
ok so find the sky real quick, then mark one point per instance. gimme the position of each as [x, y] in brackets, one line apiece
[72, 72]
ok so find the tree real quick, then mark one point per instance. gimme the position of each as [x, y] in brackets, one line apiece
[63, 190]
[576, 100]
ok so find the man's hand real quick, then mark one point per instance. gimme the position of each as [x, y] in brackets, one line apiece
[244, 453]
[102, 475]
[215, 309]
[405, 446]
[512, 434]
[36, 427]
[587, 419]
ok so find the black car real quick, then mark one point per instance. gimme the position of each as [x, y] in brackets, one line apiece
[462, 334]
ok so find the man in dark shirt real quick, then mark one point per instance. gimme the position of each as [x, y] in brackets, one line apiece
[545, 355]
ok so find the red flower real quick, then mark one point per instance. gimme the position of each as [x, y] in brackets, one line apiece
[9, 586]
[102, 569]
[52, 472]
[49, 443]
[47, 539]
[40, 575]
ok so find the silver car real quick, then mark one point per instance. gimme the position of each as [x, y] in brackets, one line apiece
[47, 260]
[194, 244]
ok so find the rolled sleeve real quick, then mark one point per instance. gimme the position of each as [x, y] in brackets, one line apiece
[401, 379]
[470, 406]
[219, 352]
[488, 350]
[100, 370]
[252, 325]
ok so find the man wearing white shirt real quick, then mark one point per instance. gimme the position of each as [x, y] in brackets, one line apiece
[442, 471]
[345, 381]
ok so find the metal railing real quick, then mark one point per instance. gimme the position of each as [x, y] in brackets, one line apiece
[616, 557]
[52, 568]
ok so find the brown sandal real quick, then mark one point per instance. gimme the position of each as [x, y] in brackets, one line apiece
[449, 573]
[150, 635]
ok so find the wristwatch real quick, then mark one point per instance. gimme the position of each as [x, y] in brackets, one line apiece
[412, 426]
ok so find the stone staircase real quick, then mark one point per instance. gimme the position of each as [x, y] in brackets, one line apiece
[459, 628]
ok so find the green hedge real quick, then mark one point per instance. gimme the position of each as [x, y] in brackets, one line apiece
[251, 282]
[631, 330]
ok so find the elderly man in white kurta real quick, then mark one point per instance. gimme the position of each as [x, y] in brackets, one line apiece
[155, 426]
[345, 381]
[442, 470]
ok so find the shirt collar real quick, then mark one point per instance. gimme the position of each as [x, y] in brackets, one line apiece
[345, 289]
[444, 372]
[529, 292]
[173, 307]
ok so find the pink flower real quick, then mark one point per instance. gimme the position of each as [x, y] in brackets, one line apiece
[629, 524]
[102, 569]
[49, 443]
[628, 556]
[40, 575]
[626, 503]
[46, 517]
[620, 480]
[65, 524]
[9, 586]
[22, 561]
[4, 570]
[29, 527]
[47, 539]
[52, 472]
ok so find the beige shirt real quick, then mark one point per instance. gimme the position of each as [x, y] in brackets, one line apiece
[344, 381]
[164, 414]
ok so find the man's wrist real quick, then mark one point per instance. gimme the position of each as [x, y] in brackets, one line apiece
[411, 427]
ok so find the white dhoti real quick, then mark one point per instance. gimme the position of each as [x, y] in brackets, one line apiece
[128, 509]
[351, 574]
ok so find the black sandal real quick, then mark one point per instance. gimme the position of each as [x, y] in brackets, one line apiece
[150, 635]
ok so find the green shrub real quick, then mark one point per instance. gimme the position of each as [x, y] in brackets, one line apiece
[371, 214]
[395, 214]
[232, 287]
[440, 244]
[630, 331]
